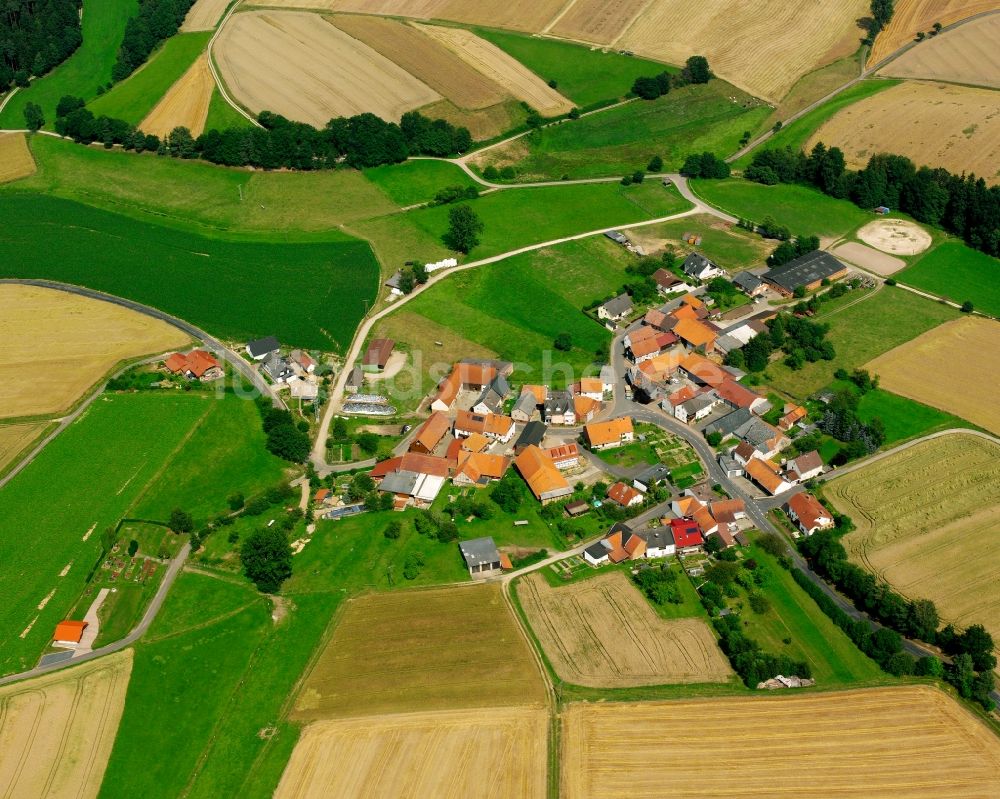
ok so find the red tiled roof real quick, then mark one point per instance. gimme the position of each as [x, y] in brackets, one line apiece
[432, 431]
[706, 371]
[808, 510]
[765, 474]
[176, 362]
[600, 433]
[686, 533]
[378, 352]
[539, 472]
[623, 494]
[735, 394]
[563, 453]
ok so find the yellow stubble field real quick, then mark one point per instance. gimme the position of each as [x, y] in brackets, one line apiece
[56, 731]
[598, 21]
[185, 103]
[14, 439]
[16, 160]
[204, 15]
[968, 54]
[912, 742]
[911, 16]
[55, 345]
[602, 632]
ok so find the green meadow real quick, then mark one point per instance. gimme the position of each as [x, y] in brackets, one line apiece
[418, 180]
[308, 294]
[138, 94]
[222, 116]
[959, 273]
[85, 72]
[83, 482]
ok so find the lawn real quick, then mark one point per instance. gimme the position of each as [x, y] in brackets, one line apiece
[308, 294]
[732, 248]
[135, 97]
[417, 181]
[859, 333]
[84, 72]
[96, 469]
[585, 75]
[222, 116]
[536, 533]
[278, 206]
[796, 134]
[516, 217]
[959, 273]
[224, 455]
[834, 659]
[805, 211]
[689, 120]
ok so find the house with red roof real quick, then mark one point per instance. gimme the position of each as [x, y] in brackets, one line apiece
[196, 365]
[808, 513]
[687, 535]
[625, 495]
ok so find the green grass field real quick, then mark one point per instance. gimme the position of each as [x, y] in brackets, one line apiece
[959, 273]
[834, 659]
[587, 77]
[797, 133]
[222, 116]
[903, 418]
[85, 480]
[416, 181]
[135, 97]
[730, 247]
[517, 217]
[225, 455]
[689, 120]
[860, 332]
[308, 294]
[273, 206]
[803, 210]
[84, 72]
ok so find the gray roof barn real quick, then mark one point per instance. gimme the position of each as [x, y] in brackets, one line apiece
[532, 434]
[729, 423]
[804, 270]
[480, 554]
[263, 346]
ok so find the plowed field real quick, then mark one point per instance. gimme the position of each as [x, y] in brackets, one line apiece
[519, 15]
[911, 16]
[968, 54]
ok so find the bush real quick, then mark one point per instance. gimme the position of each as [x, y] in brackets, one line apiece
[758, 602]
[655, 164]
[563, 342]
[180, 521]
[393, 529]
[267, 558]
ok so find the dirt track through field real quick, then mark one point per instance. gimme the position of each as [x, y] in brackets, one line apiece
[603, 632]
[968, 54]
[967, 351]
[56, 732]
[762, 47]
[299, 65]
[457, 754]
[911, 16]
[426, 58]
[501, 68]
[55, 345]
[185, 104]
[598, 21]
[204, 15]
[912, 742]
[934, 124]
[16, 160]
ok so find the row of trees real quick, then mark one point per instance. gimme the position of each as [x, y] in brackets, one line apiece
[360, 141]
[790, 249]
[696, 70]
[882, 11]
[35, 36]
[155, 21]
[961, 204]
[705, 165]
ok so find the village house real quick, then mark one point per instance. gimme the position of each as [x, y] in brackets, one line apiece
[623, 543]
[542, 476]
[792, 415]
[532, 435]
[304, 361]
[493, 396]
[739, 397]
[727, 425]
[687, 535]
[650, 346]
[479, 468]
[588, 387]
[759, 440]
[558, 408]
[196, 365]
[610, 434]
[413, 479]
[463, 377]
[808, 513]
[702, 371]
[377, 355]
[525, 407]
[650, 477]
[306, 390]
[585, 408]
[608, 378]
[430, 433]
[482, 558]
[698, 407]
[615, 309]
[669, 283]
[697, 335]
[730, 466]
[278, 368]
[700, 268]
[565, 456]
[624, 495]
[807, 271]
[262, 347]
[765, 474]
[805, 467]
[750, 284]
[494, 426]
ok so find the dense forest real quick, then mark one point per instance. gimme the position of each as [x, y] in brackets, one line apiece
[36, 35]
[156, 21]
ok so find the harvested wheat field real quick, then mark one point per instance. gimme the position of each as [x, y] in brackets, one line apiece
[912, 16]
[426, 58]
[913, 369]
[912, 742]
[501, 68]
[451, 754]
[934, 124]
[55, 345]
[204, 15]
[869, 258]
[968, 54]
[899, 236]
[299, 65]
[185, 103]
[602, 632]
[926, 523]
[14, 438]
[56, 732]
[529, 16]
[597, 21]
[762, 47]
[16, 161]
[422, 650]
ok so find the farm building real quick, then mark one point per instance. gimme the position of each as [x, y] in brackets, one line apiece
[69, 633]
[585, 408]
[493, 396]
[531, 436]
[196, 365]
[524, 408]
[377, 355]
[697, 407]
[463, 377]
[430, 433]
[565, 456]
[492, 425]
[805, 467]
[808, 513]
[700, 267]
[765, 474]
[479, 468]
[615, 309]
[354, 380]
[650, 477]
[793, 414]
[262, 347]
[759, 440]
[482, 558]
[807, 271]
[304, 390]
[696, 334]
[578, 508]
[607, 435]
[542, 475]
[304, 361]
[739, 397]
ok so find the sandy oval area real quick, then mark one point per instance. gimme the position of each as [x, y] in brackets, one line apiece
[896, 236]
[871, 259]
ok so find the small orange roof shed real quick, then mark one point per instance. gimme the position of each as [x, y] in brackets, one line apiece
[69, 631]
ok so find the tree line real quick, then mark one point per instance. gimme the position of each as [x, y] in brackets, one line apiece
[35, 36]
[961, 204]
[361, 141]
[156, 21]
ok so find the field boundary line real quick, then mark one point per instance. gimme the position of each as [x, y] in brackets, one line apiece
[555, 19]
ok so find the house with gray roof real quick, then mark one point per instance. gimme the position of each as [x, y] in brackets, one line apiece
[616, 308]
[730, 423]
[278, 368]
[482, 558]
[493, 396]
[749, 283]
[532, 435]
[558, 408]
[700, 267]
[262, 347]
[524, 408]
